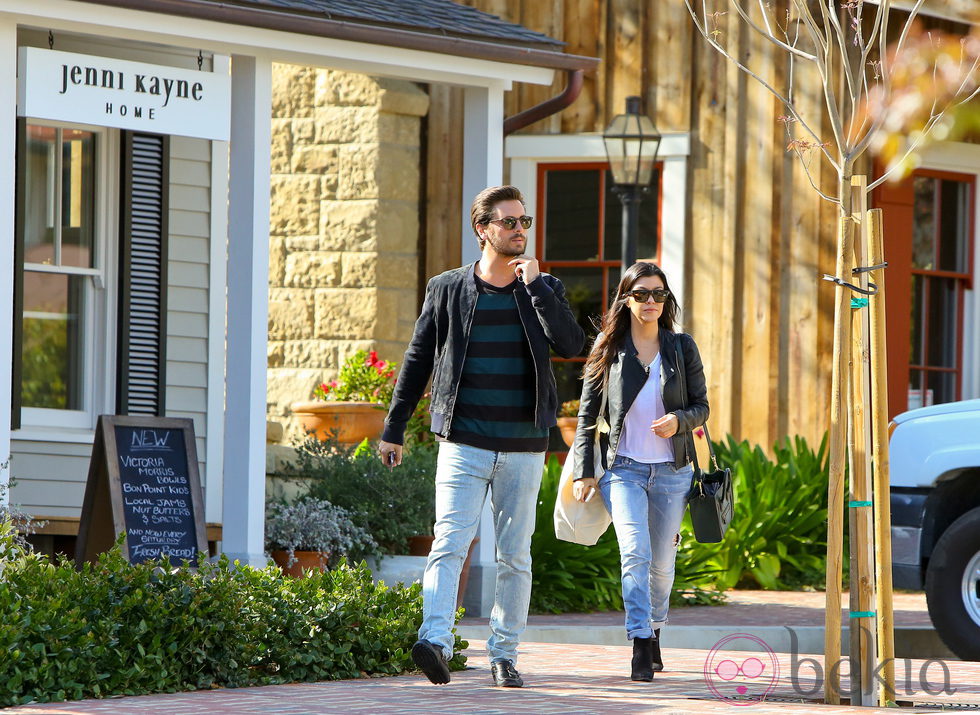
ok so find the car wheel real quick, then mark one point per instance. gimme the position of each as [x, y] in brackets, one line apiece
[953, 586]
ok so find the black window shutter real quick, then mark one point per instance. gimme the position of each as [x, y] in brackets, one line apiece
[141, 373]
[20, 203]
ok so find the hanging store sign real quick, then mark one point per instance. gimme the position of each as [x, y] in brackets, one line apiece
[85, 89]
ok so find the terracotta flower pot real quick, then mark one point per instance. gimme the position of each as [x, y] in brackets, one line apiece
[305, 561]
[568, 425]
[422, 545]
[353, 422]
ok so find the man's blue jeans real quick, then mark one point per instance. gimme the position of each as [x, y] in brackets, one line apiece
[647, 503]
[463, 476]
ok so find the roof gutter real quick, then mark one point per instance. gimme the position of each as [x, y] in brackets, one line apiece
[355, 32]
[573, 87]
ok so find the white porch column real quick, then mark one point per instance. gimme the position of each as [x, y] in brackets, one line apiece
[483, 153]
[243, 481]
[483, 166]
[8, 142]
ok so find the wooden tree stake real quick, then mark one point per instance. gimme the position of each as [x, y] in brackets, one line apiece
[882, 495]
[838, 457]
[860, 518]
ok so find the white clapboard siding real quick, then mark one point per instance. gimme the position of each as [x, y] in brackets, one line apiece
[50, 476]
[187, 306]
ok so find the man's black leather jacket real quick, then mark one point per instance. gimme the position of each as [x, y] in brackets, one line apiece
[442, 332]
[626, 378]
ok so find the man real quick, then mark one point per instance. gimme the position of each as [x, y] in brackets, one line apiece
[484, 336]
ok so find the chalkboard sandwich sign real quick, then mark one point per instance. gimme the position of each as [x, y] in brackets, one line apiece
[143, 481]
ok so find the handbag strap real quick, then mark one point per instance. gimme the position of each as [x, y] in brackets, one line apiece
[681, 372]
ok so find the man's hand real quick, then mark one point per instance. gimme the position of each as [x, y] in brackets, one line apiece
[666, 426]
[391, 454]
[525, 267]
[582, 488]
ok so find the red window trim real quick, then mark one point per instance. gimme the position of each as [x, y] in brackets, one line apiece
[965, 277]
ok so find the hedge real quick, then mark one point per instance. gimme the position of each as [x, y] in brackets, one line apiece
[114, 628]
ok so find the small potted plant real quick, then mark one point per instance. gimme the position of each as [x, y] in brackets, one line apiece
[352, 407]
[568, 421]
[313, 534]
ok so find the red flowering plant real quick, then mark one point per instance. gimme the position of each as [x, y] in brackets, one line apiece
[363, 378]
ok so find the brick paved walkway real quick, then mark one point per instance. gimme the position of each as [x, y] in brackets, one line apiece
[572, 679]
[563, 679]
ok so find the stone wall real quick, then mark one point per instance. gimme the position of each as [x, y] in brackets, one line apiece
[343, 259]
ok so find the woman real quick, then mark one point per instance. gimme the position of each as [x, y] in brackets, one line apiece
[651, 411]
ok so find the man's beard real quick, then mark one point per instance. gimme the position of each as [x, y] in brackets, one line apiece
[505, 247]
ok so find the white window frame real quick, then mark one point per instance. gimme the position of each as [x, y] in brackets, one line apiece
[526, 151]
[98, 393]
[964, 158]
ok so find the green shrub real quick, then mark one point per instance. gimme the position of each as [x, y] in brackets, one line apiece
[778, 536]
[569, 577]
[391, 504]
[116, 628]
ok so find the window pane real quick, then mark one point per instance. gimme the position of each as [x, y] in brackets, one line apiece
[649, 239]
[954, 225]
[915, 334]
[583, 291]
[77, 197]
[568, 376]
[941, 387]
[572, 220]
[924, 223]
[917, 398]
[52, 343]
[941, 345]
[41, 210]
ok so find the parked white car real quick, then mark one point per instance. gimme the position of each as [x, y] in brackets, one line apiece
[935, 498]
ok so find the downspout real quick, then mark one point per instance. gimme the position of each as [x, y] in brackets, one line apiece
[573, 88]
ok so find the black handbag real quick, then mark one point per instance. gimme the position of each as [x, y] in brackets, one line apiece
[712, 498]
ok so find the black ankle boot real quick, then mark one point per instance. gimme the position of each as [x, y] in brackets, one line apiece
[642, 663]
[658, 661]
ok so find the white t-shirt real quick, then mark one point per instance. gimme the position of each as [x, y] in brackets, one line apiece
[638, 441]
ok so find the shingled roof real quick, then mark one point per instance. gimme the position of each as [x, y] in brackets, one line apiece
[440, 26]
[432, 16]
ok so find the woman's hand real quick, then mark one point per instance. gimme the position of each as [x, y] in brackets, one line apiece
[666, 426]
[583, 487]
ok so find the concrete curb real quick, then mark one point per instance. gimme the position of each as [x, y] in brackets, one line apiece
[910, 642]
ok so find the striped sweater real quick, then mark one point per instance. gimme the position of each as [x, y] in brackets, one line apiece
[495, 403]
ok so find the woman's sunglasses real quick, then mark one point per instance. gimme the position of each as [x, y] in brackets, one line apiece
[642, 295]
[509, 222]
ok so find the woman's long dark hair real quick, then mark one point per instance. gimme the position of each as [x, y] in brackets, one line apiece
[616, 321]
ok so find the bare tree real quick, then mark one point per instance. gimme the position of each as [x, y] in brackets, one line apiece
[855, 63]
[868, 78]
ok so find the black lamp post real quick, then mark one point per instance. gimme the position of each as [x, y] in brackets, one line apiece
[631, 145]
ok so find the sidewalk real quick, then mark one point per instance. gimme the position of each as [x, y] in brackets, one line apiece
[766, 615]
[560, 679]
[571, 679]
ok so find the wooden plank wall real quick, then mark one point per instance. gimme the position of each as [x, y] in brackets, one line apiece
[758, 236]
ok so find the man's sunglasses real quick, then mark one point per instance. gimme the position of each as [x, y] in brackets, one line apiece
[642, 295]
[509, 222]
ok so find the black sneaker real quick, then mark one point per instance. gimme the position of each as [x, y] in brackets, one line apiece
[505, 675]
[431, 661]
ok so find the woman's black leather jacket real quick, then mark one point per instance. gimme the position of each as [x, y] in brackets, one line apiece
[626, 378]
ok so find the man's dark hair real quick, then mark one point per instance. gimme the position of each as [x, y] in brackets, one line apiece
[482, 209]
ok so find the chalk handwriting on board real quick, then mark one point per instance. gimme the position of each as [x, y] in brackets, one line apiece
[143, 481]
[150, 440]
